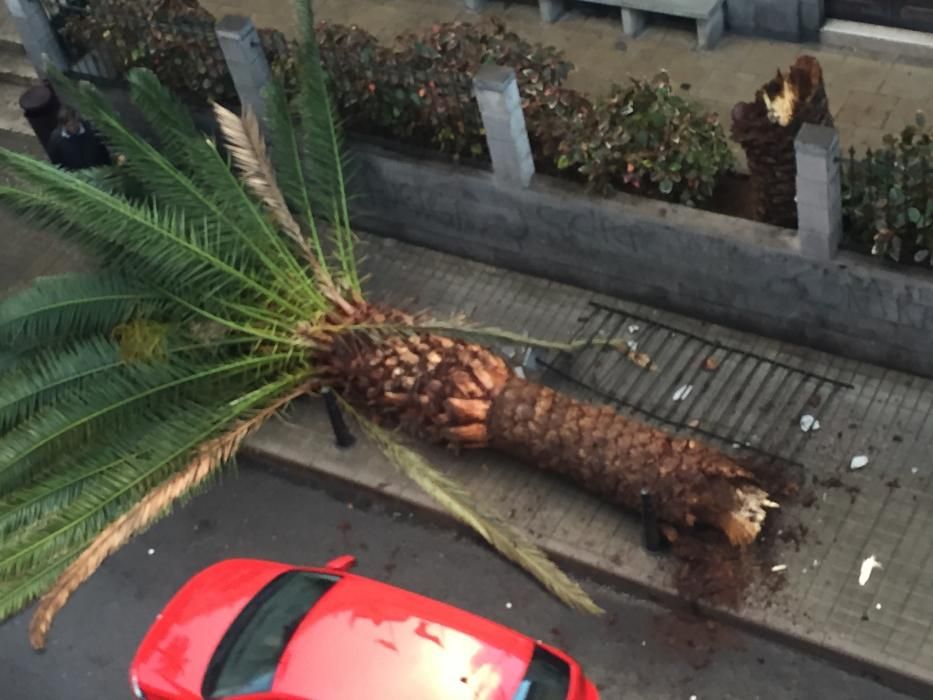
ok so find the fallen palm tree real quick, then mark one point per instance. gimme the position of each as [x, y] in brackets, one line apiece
[219, 300]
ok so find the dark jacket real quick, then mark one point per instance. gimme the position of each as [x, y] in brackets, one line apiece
[77, 151]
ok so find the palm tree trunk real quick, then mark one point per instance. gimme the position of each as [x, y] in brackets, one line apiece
[766, 129]
[461, 394]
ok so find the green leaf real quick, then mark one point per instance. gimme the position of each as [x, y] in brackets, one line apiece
[914, 215]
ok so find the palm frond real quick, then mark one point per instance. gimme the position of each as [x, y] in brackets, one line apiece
[151, 507]
[46, 375]
[191, 257]
[196, 155]
[287, 156]
[249, 153]
[49, 375]
[75, 305]
[456, 500]
[138, 392]
[324, 155]
[244, 236]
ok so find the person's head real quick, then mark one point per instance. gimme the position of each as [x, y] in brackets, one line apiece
[69, 120]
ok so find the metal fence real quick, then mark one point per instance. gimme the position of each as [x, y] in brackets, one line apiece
[748, 404]
[104, 39]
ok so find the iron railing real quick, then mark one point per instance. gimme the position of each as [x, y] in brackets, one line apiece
[745, 401]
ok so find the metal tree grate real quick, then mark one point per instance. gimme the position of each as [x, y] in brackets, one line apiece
[746, 400]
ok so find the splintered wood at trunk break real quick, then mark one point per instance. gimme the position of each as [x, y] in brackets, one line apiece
[461, 394]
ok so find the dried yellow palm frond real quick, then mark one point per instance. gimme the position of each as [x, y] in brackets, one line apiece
[210, 456]
[248, 148]
[456, 500]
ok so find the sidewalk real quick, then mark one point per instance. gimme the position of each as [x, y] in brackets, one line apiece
[869, 96]
[886, 509]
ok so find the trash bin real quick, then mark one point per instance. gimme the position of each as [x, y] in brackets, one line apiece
[40, 106]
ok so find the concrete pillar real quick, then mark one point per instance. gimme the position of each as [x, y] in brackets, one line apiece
[633, 22]
[39, 39]
[819, 191]
[246, 60]
[812, 17]
[551, 10]
[496, 89]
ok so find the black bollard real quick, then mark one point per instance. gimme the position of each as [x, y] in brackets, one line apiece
[341, 432]
[651, 533]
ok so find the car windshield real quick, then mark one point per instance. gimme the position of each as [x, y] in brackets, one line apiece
[248, 655]
[547, 678]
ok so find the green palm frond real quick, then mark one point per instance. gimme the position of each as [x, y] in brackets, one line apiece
[324, 155]
[243, 229]
[47, 375]
[72, 514]
[71, 306]
[119, 393]
[191, 257]
[50, 375]
[142, 391]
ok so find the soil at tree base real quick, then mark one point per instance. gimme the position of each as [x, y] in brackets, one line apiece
[712, 572]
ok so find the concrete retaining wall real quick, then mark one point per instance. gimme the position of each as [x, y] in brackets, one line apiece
[748, 275]
[791, 20]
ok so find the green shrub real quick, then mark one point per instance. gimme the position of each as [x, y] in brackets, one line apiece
[888, 196]
[646, 137]
[420, 91]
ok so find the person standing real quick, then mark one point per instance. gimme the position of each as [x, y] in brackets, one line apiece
[74, 145]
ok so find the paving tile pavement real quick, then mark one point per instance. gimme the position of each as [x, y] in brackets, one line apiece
[870, 95]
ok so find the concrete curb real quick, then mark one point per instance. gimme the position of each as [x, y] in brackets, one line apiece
[301, 449]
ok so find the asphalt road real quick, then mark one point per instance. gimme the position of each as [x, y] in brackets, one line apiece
[637, 652]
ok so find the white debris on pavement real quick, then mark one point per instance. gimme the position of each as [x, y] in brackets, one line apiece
[633, 328]
[508, 605]
[858, 462]
[877, 606]
[914, 470]
[808, 423]
[778, 567]
[632, 345]
[868, 566]
[151, 551]
[683, 392]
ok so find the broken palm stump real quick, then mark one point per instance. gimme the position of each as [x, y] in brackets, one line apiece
[766, 129]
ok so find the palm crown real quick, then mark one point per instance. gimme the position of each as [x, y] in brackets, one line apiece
[223, 293]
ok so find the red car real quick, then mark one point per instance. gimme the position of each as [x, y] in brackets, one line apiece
[258, 630]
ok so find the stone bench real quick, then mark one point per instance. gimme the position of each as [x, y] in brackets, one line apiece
[709, 16]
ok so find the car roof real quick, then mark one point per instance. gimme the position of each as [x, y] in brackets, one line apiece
[363, 640]
[178, 647]
[366, 640]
